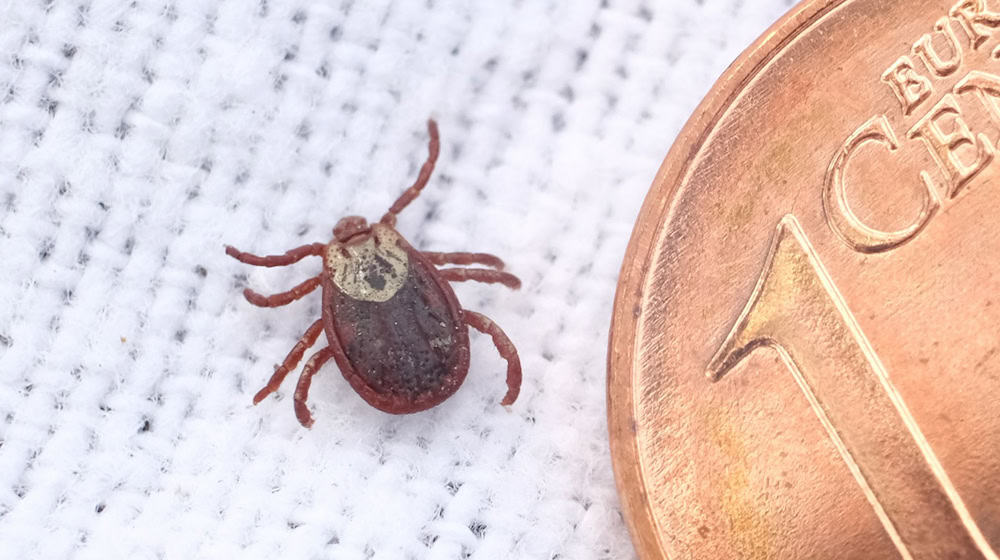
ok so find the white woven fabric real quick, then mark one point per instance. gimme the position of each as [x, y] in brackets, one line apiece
[136, 138]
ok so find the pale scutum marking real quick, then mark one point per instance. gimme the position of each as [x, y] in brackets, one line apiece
[372, 270]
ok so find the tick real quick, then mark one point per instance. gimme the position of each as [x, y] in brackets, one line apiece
[392, 322]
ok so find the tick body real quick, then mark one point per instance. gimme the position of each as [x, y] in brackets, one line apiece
[392, 322]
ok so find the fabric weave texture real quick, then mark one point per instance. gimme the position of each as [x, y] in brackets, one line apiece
[137, 138]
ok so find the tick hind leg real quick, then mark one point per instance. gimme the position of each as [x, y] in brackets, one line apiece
[291, 361]
[302, 388]
[506, 348]
[292, 256]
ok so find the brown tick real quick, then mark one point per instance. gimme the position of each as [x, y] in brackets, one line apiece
[392, 322]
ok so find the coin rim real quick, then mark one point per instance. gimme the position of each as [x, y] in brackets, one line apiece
[653, 216]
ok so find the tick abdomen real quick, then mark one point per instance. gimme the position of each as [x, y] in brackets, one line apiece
[413, 345]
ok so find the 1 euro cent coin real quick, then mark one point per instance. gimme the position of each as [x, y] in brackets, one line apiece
[805, 350]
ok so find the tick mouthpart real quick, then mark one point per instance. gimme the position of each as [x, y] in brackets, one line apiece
[350, 227]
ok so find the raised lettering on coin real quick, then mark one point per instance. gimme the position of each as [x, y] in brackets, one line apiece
[945, 140]
[909, 86]
[837, 210]
[924, 47]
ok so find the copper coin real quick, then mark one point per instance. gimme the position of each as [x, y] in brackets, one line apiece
[805, 350]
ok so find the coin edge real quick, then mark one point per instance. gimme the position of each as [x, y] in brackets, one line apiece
[653, 216]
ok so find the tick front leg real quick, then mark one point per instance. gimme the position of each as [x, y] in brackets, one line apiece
[293, 256]
[284, 298]
[506, 348]
[465, 259]
[302, 389]
[480, 275]
[291, 361]
[433, 148]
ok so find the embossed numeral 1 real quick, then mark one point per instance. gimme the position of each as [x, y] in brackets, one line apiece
[797, 310]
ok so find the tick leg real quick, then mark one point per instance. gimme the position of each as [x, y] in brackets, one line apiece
[480, 275]
[465, 258]
[433, 148]
[284, 298]
[302, 389]
[506, 348]
[293, 256]
[291, 361]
